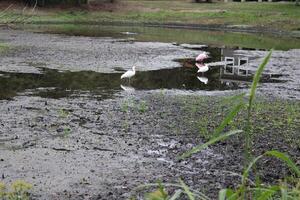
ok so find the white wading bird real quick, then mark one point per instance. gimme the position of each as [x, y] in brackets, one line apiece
[129, 73]
[203, 79]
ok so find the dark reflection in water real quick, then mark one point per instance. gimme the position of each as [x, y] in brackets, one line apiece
[54, 84]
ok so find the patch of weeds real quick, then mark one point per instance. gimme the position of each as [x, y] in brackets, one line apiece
[131, 104]
[142, 107]
[126, 104]
[163, 114]
[159, 194]
[203, 128]
[18, 190]
[63, 113]
[161, 94]
[125, 125]
[3, 48]
[66, 132]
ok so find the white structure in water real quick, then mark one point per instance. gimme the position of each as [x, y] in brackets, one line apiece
[233, 64]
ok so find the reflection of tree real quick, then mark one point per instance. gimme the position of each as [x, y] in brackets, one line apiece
[200, 1]
[63, 82]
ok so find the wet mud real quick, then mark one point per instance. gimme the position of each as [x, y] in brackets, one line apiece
[85, 53]
[85, 148]
[73, 129]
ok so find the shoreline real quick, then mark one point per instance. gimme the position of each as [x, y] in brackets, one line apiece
[204, 27]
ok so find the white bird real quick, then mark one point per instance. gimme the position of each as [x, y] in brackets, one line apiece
[129, 73]
[203, 68]
[203, 79]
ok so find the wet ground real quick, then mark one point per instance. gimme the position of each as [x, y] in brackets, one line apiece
[73, 129]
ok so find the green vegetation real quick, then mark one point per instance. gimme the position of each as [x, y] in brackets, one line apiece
[18, 190]
[289, 188]
[217, 38]
[3, 47]
[284, 116]
[67, 132]
[63, 113]
[279, 16]
[132, 105]
[142, 107]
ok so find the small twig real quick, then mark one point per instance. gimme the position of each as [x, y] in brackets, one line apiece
[61, 149]
[101, 149]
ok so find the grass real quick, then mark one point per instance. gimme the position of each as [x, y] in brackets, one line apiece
[280, 115]
[280, 16]
[289, 188]
[18, 190]
[3, 48]
[169, 35]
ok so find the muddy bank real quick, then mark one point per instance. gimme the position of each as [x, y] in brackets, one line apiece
[210, 27]
[84, 53]
[283, 63]
[83, 148]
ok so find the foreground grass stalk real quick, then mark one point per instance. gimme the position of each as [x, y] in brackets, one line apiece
[248, 131]
[288, 190]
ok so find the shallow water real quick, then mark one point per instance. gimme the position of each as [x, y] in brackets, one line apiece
[191, 36]
[52, 83]
[57, 84]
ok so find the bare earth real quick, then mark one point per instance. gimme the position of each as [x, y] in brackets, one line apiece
[86, 148]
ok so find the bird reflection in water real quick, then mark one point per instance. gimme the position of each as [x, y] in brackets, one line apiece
[127, 88]
[202, 79]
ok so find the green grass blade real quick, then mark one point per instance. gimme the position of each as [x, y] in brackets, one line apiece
[226, 194]
[276, 154]
[210, 142]
[222, 194]
[196, 193]
[284, 194]
[187, 190]
[286, 159]
[247, 170]
[228, 119]
[176, 195]
[257, 77]
[266, 194]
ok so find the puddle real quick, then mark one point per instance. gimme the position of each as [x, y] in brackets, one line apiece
[52, 83]
[228, 70]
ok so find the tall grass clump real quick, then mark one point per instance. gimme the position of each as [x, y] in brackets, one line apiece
[18, 190]
[288, 189]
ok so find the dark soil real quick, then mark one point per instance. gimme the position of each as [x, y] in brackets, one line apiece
[84, 148]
